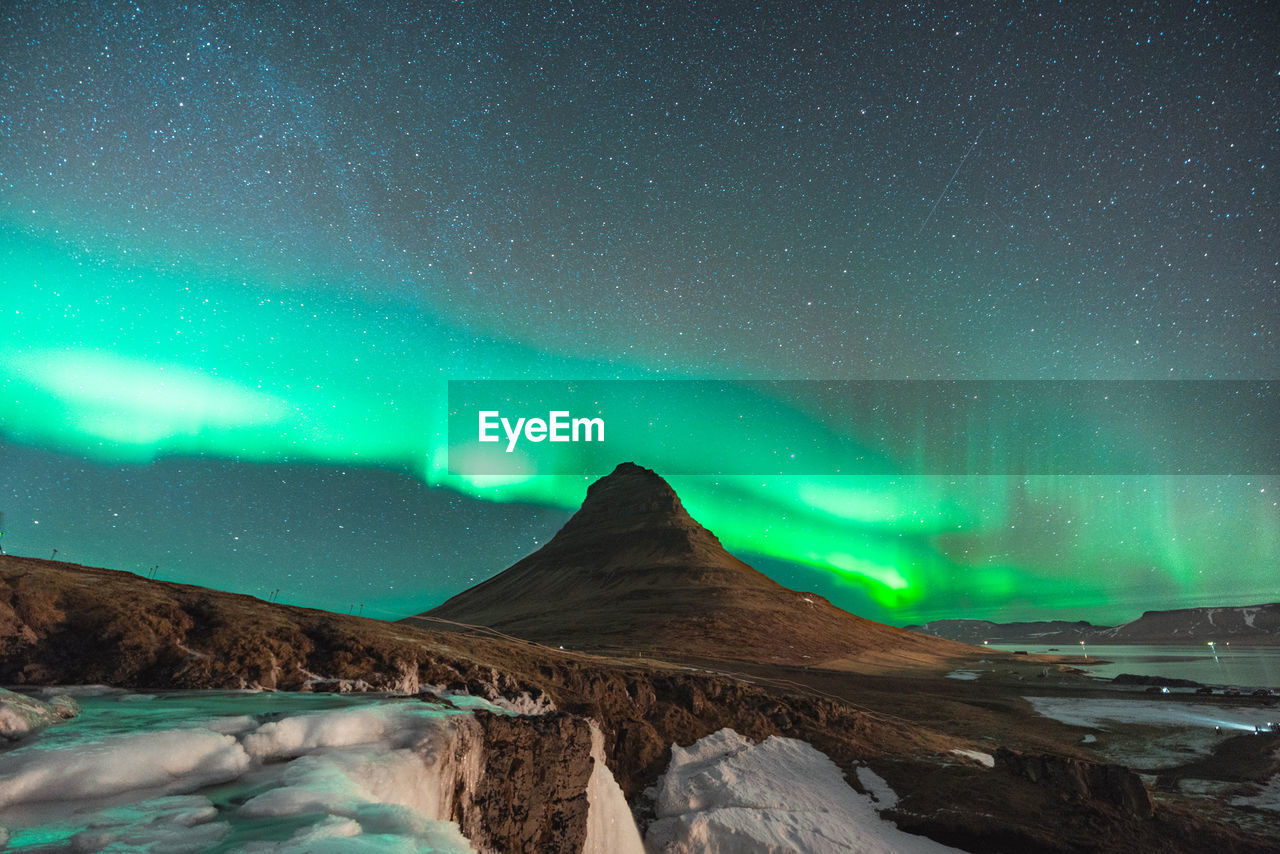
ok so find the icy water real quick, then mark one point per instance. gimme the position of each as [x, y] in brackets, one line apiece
[251, 772]
[1247, 667]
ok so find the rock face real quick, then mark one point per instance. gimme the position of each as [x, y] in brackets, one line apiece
[1077, 779]
[64, 624]
[532, 792]
[632, 572]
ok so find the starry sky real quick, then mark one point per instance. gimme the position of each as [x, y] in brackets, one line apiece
[244, 246]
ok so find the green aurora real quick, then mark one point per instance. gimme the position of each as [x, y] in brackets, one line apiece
[125, 362]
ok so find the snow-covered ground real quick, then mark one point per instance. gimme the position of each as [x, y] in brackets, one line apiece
[260, 773]
[726, 794]
[982, 758]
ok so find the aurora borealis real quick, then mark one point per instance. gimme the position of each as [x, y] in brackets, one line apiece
[244, 247]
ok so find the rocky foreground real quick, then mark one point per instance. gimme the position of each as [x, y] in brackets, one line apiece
[67, 624]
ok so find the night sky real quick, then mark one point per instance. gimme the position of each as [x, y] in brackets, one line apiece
[243, 247]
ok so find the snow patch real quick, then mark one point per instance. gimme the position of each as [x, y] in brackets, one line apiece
[725, 793]
[877, 787]
[982, 758]
[963, 674]
[1249, 614]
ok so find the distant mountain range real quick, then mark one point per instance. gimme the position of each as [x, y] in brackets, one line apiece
[980, 631]
[1243, 624]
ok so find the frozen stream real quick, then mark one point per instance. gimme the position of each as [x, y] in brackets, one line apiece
[251, 772]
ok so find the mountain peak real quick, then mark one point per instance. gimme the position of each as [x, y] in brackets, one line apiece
[632, 478]
[633, 571]
[630, 498]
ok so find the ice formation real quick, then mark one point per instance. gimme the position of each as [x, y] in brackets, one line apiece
[182, 772]
[725, 793]
[264, 774]
[21, 715]
[611, 829]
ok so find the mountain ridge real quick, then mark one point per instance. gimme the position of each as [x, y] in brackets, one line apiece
[1244, 624]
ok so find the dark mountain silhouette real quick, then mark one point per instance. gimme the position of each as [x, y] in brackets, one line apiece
[1039, 632]
[1244, 624]
[632, 571]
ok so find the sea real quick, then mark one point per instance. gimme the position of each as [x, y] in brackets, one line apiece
[1221, 665]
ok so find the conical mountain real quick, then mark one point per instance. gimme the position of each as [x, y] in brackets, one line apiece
[633, 572]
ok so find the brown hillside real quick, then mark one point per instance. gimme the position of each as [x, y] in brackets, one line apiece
[632, 571]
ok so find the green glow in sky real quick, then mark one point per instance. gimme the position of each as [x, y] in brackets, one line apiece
[121, 361]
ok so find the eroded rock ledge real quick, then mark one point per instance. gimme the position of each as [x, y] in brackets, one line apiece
[532, 791]
[1078, 779]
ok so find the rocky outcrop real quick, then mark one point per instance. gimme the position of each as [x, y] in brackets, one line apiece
[1078, 779]
[532, 790]
[1159, 681]
[67, 624]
